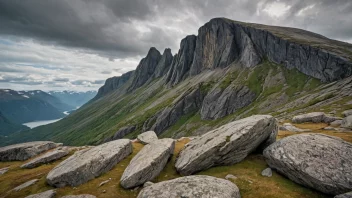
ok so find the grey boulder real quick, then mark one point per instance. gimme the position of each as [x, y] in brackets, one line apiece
[4, 170]
[346, 195]
[336, 123]
[147, 137]
[315, 117]
[45, 194]
[347, 122]
[192, 186]
[46, 158]
[25, 185]
[317, 161]
[148, 163]
[290, 127]
[24, 151]
[88, 164]
[347, 113]
[267, 172]
[228, 144]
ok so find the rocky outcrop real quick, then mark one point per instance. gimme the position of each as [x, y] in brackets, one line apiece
[347, 122]
[314, 160]
[87, 164]
[121, 133]
[45, 194]
[26, 184]
[219, 44]
[113, 83]
[147, 137]
[182, 61]
[345, 195]
[227, 145]
[24, 151]
[46, 158]
[219, 103]
[189, 102]
[148, 163]
[145, 69]
[336, 123]
[164, 64]
[290, 127]
[192, 186]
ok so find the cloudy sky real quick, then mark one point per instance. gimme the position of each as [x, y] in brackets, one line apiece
[77, 44]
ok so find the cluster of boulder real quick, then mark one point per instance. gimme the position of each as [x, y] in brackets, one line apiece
[316, 161]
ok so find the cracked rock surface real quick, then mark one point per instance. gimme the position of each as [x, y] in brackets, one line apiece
[148, 163]
[228, 144]
[88, 164]
[46, 158]
[192, 186]
[24, 151]
[317, 161]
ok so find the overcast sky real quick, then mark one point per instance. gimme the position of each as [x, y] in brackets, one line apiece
[77, 44]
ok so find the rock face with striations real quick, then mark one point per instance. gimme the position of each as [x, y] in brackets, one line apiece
[192, 186]
[24, 151]
[121, 133]
[219, 103]
[88, 164]
[182, 61]
[113, 83]
[46, 158]
[164, 64]
[227, 145]
[148, 163]
[345, 195]
[189, 102]
[146, 68]
[314, 160]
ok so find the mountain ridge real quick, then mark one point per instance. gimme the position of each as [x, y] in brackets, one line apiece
[226, 72]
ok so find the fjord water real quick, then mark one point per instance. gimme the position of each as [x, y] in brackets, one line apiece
[40, 123]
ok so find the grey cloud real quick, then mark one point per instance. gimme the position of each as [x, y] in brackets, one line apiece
[61, 79]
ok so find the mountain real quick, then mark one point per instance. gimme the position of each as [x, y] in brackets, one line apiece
[230, 70]
[7, 127]
[72, 98]
[27, 106]
[53, 100]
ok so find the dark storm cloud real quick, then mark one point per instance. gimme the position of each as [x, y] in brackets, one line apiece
[124, 28]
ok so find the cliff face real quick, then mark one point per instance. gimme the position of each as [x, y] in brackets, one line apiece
[182, 62]
[221, 42]
[113, 83]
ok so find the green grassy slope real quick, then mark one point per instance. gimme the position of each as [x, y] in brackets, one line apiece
[102, 118]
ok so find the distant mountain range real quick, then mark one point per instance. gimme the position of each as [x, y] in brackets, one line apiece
[75, 99]
[18, 107]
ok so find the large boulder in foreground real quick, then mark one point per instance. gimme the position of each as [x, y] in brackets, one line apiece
[314, 160]
[228, 144]
[46, 158]
[90, 163]
[24, 151]
[148, 163]
[147, 137]
[192, 186]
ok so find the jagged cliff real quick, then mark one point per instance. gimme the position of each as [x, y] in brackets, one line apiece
[229, 70]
